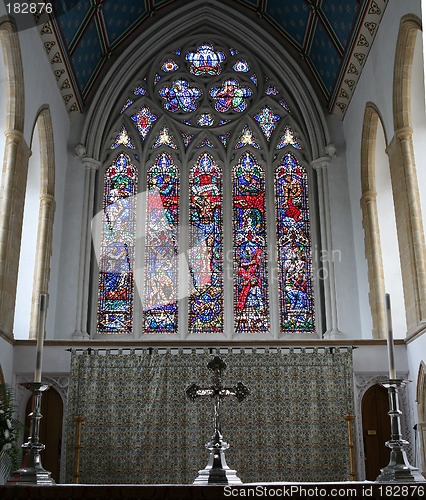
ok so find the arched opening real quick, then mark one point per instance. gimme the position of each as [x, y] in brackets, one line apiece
[421, 410]
[376, 430]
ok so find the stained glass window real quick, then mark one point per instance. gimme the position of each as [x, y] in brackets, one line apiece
[206, 249]
[124, 139]
[169, 65]
[127, 104]
[192, 99]
[187, 138]
[241, 66]
[164, 139]
[267, 120]
[180, 96]
[207, 143]
[246, 139]
[161, 250]
[231, 96]
[294, 247]
[139, 90]
[271, 90]
[249, 224]
[206, 120]
[116, 284]
[288, 139]
[144, 120]
[205, 61]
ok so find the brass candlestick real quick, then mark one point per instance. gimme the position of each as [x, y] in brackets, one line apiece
[79, 419]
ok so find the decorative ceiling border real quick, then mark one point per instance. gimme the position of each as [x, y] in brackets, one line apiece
[352, 66]
[58, 63]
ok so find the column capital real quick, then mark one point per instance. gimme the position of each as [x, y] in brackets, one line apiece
[320, 163]
[90, 163]
[47, 199]
[368, 196]
[13, 135]
[404, 133]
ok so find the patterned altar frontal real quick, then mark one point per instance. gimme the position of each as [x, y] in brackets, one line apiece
[140, 428]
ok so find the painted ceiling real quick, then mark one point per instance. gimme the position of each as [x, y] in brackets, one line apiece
[333, 38]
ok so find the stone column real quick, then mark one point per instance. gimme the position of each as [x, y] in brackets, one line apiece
[15, 168]
[373, 254]
[90, 167]
[42, 259]
[320, 165]
[409, 225]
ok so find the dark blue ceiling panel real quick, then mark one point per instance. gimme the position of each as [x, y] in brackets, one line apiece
[291, 16]
[120, 16]
[71, 19]
[87, 55]
[341, 16]
[324, 56]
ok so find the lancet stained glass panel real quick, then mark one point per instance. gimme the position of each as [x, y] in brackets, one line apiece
[161, 257]
[294, 247]
[206, 248]
[250, 271]
[116, 285]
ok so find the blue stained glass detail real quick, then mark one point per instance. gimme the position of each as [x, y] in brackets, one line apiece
[139, 91]
[180, 96]
[205, 120]
[267, 120]
[288, 139]
[123, 138]
[169, 66]
[144, 120]
[271, 91]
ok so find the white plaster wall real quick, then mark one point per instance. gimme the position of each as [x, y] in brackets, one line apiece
[21, 324]
[342, 235]
[375, 85]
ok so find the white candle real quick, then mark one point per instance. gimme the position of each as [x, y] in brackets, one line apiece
[391, 358]
[40, 335]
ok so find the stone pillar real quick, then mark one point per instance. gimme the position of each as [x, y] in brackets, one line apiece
[90, 167]
[409, 224]
[42, 259]
[373, 254]
[15, 169]
[320, 165]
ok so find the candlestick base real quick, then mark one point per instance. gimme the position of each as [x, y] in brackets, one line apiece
[217, 470]
[32, 471]
[399, 469]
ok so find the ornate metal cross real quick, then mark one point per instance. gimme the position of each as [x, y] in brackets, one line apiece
[217, 471]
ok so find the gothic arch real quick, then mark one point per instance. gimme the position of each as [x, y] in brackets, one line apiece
[373, 251]
[403, 173]
[15, 165]
[201, 21]
[421, 411]
[46, 214]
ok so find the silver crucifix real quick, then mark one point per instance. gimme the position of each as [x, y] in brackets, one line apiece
[217, 471]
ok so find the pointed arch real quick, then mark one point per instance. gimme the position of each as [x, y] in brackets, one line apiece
[373, 251]
[403, 172]
[14, 174]
[46, 215]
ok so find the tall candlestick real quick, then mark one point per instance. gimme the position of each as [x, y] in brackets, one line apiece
[391, 358]
[40, 335]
